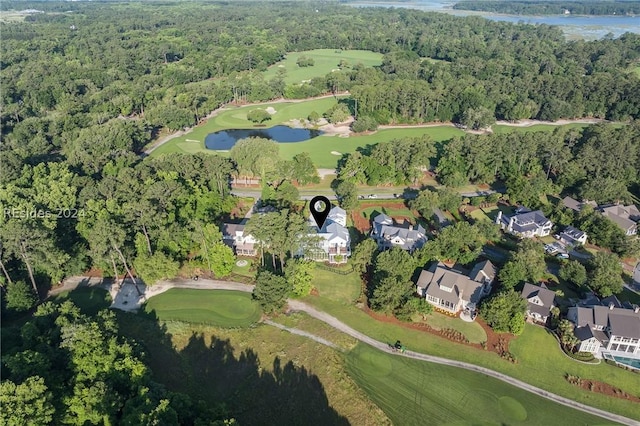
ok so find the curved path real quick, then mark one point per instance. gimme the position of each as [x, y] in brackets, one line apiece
[297, 305]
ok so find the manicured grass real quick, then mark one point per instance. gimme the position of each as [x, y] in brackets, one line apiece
[478, 215]
[412, 392]
[220, 308]
[245, 271]
[344, 289]
[90, 300]
[471, 330]
[368, 212]
[630, 296]
[540, 361]
[319, 148]
[236, 118]
[325, 61]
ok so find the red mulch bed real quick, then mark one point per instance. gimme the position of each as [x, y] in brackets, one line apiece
[495, 342]
[607, 389]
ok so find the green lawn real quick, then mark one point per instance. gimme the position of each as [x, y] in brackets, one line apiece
[319, 148]
[219, 308]
[90, 300]
[369, 211]
[630, 296]
[472, 330]
[325, 61]
[344, 289]
[412, 392]
[245, 271]
[540, 361]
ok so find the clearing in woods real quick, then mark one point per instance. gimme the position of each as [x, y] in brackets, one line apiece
[325, 61]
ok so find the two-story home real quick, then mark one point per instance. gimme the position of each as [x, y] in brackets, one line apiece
[453, 290]
[573, 236]
[525, 223]
[611, 331]
[332, 242]
[626, 217]
[540, 300]
[389, 234]
[242, 244]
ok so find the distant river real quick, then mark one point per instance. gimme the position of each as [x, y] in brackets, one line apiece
[587, 27]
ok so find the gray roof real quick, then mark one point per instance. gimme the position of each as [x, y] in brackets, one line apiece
[574, 233]
[442, 219]
[335, 230]
[572, 203]
[545, 295]
[618, 320]
[624, 322]
[384, 228]
[229, 230]
[438, 278]
[527, 221]
[483, 270]
[611, 300]
[585, 333]
[624, 216]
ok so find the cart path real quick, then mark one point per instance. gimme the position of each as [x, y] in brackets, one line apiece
[302, 333]
[297, 305]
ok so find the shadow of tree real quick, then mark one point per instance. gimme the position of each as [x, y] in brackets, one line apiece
[210, 370]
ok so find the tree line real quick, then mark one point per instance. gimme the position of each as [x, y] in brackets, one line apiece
[169, 66]
[553, 8]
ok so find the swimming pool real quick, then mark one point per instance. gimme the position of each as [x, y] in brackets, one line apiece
[631, 362]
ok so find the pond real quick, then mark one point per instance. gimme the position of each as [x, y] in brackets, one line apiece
[225, 139]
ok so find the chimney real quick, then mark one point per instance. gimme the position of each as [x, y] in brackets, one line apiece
[636, 309]
[410, 227]
[611, 305]
[499, 217]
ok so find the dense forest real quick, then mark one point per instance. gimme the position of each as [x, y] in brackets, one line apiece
[552, 7]
[87, 85]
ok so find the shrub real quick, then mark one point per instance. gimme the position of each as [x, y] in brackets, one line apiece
[364, 123]
[258, 115]
[304, 61]
[313, 117]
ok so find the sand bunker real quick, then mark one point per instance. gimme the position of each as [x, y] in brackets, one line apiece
[270, 110]
[336, 153]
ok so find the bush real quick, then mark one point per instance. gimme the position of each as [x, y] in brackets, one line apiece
[364, 123]
[258, 115]
[337, 113]
[303, 62]
[313, 117]
[582, 356]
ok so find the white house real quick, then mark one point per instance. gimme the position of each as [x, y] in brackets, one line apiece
[525, 223]
[454, 290]
[573, 237]
[389, 234]
[234, 236]
[611, 331]
[332, 242]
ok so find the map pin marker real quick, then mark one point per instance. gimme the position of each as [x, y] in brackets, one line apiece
[320, 207]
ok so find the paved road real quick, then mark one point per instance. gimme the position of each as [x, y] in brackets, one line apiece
[297, 305]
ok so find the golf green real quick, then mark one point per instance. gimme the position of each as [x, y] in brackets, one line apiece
[221, 308]
[413, 392]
